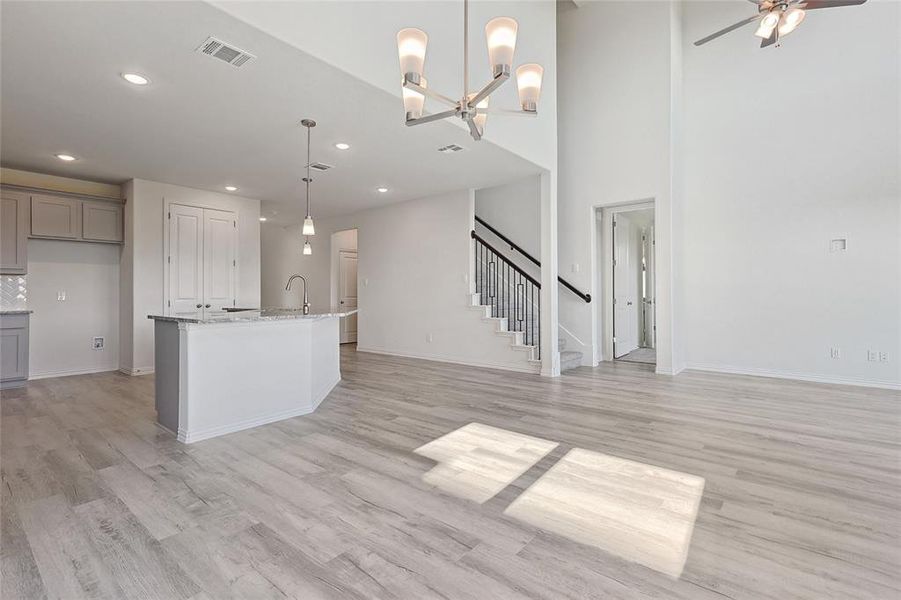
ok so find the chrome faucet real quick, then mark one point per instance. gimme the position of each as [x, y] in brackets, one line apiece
[306, 302]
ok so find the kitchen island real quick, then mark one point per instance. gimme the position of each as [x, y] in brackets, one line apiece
[227, 372]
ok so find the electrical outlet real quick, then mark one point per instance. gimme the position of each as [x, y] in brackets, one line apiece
[872, 355]
[835, 353]
[428, 338]
[883, 357]
[576, 268]
[98, 343]
[61, 296]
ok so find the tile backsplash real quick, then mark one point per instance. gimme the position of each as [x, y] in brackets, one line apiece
[13, 292]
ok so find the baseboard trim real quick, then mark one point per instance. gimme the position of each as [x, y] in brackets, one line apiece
[69, 373]
[189, 437]
[136, 371]
[715, 368]
[451, 360]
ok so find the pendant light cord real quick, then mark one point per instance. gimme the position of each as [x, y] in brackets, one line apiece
[308, 171]
[466, 50]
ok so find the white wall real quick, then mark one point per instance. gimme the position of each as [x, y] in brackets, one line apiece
[615, 134]
[785, 149]
[61, 332]
[143, 259]
[514, 209]
[414, 270]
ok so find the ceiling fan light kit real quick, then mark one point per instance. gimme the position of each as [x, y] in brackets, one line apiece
[500, 33]
[778, 18]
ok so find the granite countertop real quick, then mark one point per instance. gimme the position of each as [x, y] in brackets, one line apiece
[264, 314]
[15, 311]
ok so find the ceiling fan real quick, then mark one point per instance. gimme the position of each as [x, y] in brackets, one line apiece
[778, 18]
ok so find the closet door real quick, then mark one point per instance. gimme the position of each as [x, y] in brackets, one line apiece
[186, 229]
[219, 259]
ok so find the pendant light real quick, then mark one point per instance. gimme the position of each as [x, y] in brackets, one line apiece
[307, 247]
[308, 228]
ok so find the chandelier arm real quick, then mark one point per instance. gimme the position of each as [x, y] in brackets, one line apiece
[506, 112]
[430, 93]
[474, 130]
[495, 83]
[434, 117]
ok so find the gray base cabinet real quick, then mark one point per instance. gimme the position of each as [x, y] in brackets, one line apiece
[13, 350]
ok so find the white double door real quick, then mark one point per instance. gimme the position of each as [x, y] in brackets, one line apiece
[202, 260]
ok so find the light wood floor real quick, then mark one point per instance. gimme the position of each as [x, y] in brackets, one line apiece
[801, 494]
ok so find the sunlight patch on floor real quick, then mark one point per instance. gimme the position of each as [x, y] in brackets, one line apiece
[477, 461]
[639, 512]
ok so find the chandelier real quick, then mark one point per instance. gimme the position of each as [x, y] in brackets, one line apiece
[308, 228]
[500, 33]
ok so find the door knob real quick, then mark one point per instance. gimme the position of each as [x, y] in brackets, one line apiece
[629, 303]
[207, 306]
[200, 306]
[342, 302]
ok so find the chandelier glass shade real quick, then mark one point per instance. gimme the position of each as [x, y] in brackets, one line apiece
[500, 36]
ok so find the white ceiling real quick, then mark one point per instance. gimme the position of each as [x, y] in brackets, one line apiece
[203, 123]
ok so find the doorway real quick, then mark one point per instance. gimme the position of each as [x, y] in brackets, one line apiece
[344, 281]
[630, 265]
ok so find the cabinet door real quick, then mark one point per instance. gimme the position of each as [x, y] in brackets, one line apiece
[13, 347]
[185, 260]
[13, 232]
[101, 221]
[54, 216]
[219, 259]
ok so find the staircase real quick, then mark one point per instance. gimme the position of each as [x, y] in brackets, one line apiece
[569, 359]
[509, 299]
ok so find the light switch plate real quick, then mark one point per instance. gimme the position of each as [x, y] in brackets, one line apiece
[98, 343]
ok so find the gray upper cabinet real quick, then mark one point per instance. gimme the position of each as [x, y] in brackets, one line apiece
[55, 217]
[13, 232]
[102, 221]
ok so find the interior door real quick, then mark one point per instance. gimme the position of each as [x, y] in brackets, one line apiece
[219, 260]
[625, 265]
[185, 260]
[347, 293]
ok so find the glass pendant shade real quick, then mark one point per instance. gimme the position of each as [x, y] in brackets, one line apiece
[307, 248]
[308, 228]
[790, 20]
[767, 25]
[481, 118]
[500, 33]
[528, 82]
[414, 101]
[411, 45]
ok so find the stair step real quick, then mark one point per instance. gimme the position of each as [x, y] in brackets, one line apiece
[570, 359]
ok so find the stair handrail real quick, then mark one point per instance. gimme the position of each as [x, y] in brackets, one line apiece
[514, 246]
[512, 265]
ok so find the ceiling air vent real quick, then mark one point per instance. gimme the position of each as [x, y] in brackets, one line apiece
[225, 52]
[318, 166]
[450, 149]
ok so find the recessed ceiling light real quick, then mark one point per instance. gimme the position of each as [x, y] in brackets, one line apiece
[342, 146]
[231, 188]
[65, 157]
[382, 190]
[262, 218]
[135, 78]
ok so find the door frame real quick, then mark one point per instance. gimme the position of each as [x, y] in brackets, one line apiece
[335, 249]
[164, 251]
[342, 252]
[602, 269]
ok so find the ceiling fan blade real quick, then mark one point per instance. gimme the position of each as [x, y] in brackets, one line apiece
[774, 37]
[733, 27]
[815, 4]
